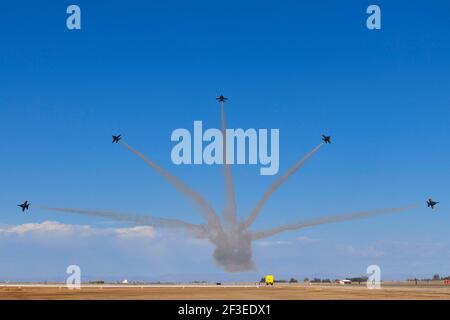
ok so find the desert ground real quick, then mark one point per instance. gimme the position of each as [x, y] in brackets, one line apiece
[403, 291]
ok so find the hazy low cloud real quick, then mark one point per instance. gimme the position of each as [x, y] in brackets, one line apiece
[136, 232]
[423, 249]
[296, 241]
[265, 243]
[53, 229]
[43, 250]
[368, 251]
[396, 249]
[306, 240]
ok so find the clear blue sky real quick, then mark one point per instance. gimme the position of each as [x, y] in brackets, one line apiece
[145, 68]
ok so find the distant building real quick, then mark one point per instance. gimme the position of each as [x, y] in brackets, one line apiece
[344, 281]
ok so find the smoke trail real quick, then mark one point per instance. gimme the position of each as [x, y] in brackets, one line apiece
[329, 219]
[208, 212]
[132, 218]
[230, 206]
[276, 185]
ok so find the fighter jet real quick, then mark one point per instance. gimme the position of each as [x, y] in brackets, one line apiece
[326, 139]
[221, 98]
[116, 139]
[431, 203]
[24, 206]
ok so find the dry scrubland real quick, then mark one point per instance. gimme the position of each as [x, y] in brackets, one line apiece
[279, 291]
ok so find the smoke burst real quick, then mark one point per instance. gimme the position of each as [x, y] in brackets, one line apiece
[233, 244]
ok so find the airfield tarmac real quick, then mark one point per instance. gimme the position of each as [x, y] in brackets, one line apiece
[226, 292]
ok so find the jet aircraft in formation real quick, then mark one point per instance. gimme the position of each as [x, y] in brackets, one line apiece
[431, 204]
[326, 139]
[116, 139]
[24, 206]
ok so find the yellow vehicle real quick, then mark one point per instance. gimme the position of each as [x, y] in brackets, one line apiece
[269, 279]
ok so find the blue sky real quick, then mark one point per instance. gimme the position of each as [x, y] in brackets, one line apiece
[146, 68]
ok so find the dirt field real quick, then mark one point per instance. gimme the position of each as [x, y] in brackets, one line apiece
[278, 292]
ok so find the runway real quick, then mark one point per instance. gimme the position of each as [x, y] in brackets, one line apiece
[135, 286]
[389, 291]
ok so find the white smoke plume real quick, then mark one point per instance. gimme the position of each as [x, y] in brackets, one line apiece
[230, 210]
[133, 218]
[208, 212]
[329, 219]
